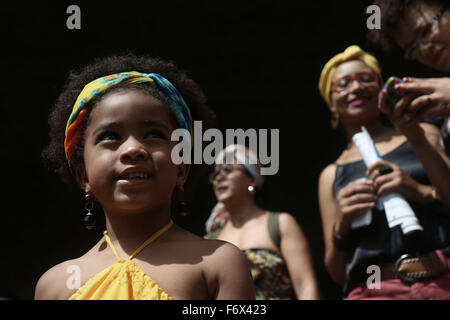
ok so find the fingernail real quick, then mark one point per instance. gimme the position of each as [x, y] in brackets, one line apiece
[398, 86]
[406, 79]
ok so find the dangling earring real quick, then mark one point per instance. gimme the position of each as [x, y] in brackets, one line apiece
[183, 205]
[89, 218]
[251, 189]
[334, 120]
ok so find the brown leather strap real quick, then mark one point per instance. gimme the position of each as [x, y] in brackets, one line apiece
[416, 268]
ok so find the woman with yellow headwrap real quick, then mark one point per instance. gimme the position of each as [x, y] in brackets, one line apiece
[364, 255]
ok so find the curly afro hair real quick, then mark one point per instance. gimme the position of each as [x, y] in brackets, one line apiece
[54, 156]
[392, 14]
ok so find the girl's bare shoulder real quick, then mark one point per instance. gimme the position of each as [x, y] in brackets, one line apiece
[198, 245]
[56, 283]
[187, 246]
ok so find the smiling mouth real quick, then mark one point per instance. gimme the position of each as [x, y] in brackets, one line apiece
[222, 189]
[357, 102]
[134, 177]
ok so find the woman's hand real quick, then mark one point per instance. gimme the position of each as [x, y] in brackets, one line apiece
[433, 100]
[397, 181]
[432, 97]
[400, 116]
[354, 199]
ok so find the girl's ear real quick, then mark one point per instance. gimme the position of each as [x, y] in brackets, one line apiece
[81, 176]
[182, 173]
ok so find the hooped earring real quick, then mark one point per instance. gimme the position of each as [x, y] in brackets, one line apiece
[183, 205]
[89, 218]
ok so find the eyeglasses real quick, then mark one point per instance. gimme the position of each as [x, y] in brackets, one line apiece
[412, 52]
[226, 169]
[365, 79]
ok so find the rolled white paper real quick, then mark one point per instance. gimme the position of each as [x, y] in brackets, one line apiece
[397, 209]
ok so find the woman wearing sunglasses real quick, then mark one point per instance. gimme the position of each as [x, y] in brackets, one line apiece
[369, 259]
[274, 243]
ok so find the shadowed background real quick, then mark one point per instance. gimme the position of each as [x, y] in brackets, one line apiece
[257, 61]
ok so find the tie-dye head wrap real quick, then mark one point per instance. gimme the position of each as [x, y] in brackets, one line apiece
[74, 124]
[351, 53]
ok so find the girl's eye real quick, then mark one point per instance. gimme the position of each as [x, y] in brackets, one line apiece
[155, 134]
[108, 136]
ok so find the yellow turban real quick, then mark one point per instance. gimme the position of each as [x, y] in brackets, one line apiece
[351, 53]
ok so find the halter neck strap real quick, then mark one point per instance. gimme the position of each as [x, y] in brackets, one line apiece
[146, 243]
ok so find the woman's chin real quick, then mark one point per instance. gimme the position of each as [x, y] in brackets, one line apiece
[228, 198]
[361, 115]
[223, 198]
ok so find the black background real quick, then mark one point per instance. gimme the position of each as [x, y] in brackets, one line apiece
[258, 62]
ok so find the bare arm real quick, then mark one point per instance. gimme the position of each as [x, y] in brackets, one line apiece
[436, 164]
[334, 260]
[295, 251]
[424, 139]
[234, 280]
[52, 284]
[352, 200]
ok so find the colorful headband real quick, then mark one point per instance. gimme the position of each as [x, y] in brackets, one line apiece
[74, 124]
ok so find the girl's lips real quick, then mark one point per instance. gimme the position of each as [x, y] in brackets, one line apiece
[132, 182]
[132, 177]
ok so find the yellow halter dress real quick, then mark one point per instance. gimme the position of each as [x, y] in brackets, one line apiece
[124, 280]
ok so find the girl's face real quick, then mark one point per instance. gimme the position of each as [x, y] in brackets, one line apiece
[354, 93]
[425, 41]
[127, 153]
[231, 182]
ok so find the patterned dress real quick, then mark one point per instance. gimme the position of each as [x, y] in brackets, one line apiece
[269, 271]
[270, 275]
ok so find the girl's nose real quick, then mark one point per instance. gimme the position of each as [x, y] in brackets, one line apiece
[133, 150]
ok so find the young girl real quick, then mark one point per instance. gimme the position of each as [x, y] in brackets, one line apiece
[116, 118]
